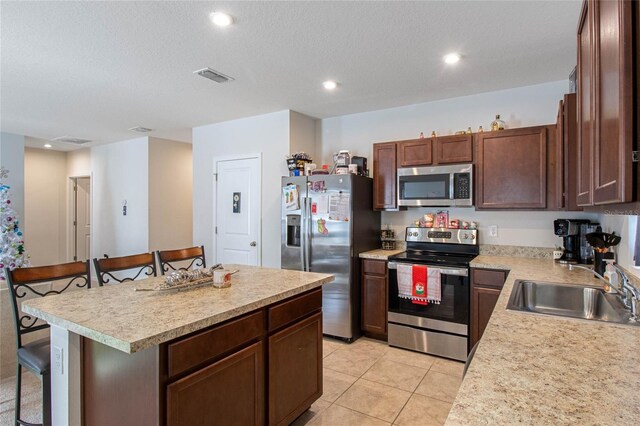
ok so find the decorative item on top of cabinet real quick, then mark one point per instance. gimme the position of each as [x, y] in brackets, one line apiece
[606, 92]
[416, 152]
[384, 176]
[374, 298]
[486, 285]
[516, 169]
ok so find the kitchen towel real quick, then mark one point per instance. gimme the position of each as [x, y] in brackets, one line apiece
[419, 285]
[410, 277]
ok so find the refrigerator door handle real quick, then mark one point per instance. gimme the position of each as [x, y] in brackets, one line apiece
[303, 240]
[308, 234]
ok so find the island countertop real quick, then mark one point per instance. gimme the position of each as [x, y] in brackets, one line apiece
[539, 369]
[129, 320]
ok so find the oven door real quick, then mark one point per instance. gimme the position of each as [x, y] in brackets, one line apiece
[451, 315]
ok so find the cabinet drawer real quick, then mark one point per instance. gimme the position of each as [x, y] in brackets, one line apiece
[375, 267]
[202, 347]
[488, 277]
[294, 309]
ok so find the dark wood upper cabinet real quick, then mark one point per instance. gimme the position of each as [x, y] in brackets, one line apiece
[511, 169]
[584, 196]
[416, 152]
[613, 37]
[567, 154]
[454, 149]
[606, 91]
[384, 176]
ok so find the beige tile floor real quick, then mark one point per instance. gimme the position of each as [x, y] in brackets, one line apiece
[370, 383]
[365, 383]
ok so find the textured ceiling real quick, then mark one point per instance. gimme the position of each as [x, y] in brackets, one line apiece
[94, 69]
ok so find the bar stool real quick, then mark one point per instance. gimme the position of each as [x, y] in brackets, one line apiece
[167, 257]
[35, 356]
[144, 263]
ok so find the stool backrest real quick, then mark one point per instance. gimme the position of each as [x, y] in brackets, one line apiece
[23, 282]
[167, 257]
[144, 264]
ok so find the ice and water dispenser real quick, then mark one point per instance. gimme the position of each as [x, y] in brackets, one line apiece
[293, 230]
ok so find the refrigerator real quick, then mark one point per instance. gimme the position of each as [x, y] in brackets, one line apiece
[327, 221]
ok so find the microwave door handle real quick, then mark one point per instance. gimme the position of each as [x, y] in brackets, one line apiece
[452, 179]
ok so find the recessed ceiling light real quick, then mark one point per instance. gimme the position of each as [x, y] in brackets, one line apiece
[47, 145]
[221, 19]
[330, 84]
[451, 58]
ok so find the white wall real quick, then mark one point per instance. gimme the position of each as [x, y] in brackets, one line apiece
[45, 220]
[267, 134]
[12, 158]
[79, 163]
[302, 135]
[170, 194]
[519, 107]
[120, 172]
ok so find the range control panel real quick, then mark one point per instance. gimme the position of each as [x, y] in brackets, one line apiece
[442, 235]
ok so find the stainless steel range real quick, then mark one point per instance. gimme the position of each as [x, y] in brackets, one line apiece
[435, 328]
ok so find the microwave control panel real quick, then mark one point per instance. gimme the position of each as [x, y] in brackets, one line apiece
[462, 186]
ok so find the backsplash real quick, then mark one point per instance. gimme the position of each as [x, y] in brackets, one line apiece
[516, 251]
[515, 228]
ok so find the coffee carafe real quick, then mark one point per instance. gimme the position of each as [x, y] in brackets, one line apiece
[573, 231]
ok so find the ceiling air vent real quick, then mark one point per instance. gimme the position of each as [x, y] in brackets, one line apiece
[68, 139]
[214, 75]
[141, 129]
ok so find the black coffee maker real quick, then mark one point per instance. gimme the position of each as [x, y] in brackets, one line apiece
[573, 232]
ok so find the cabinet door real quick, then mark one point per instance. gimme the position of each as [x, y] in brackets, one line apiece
[295, 369]
[567, 148]
[512, 169]
[228, 392]
[384, 176]
[612, 180]
[483, 300]
[416, 152]
[585, 112]
[374, 303]
[454, 149]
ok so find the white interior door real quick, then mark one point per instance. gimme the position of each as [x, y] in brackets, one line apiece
[238, 211]
[82, 218]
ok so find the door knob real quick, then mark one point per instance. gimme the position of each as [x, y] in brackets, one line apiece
[252, 243]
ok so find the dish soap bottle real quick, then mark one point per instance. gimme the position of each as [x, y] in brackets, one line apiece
[612, 276]
[497, 124]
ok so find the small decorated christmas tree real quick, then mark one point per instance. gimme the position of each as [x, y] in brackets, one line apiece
[12, 252]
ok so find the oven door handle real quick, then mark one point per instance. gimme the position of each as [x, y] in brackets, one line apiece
[462, 272]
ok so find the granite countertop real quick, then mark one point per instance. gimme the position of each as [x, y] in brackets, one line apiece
[539, 369]
[129, 320]
[380, 254]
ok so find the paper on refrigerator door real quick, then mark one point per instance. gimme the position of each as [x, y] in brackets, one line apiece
[290, 197]
[339, 207]
[322, 204]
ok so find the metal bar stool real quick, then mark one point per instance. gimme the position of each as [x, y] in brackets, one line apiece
[35, 356]
[167, 257]
[144, 263]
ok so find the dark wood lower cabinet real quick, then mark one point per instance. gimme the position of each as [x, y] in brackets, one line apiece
[486, 285]
[295, 370]
[228, 392]
[264, 367]
[374, 298]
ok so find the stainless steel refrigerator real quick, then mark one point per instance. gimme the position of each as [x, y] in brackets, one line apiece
[327, 221]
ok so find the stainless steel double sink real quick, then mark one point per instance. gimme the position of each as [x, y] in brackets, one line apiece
[566, 300]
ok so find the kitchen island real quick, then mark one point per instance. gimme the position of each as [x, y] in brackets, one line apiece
[247, 354]
[540, 369]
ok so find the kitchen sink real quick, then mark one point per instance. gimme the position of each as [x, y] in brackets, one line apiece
[574, 301]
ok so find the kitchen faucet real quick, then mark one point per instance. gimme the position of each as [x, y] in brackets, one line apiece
[627, 292]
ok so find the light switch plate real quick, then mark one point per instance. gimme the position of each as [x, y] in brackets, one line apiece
[493, 230]
[58, 359]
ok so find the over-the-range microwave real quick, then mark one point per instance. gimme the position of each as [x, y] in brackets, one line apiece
[436, 186]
